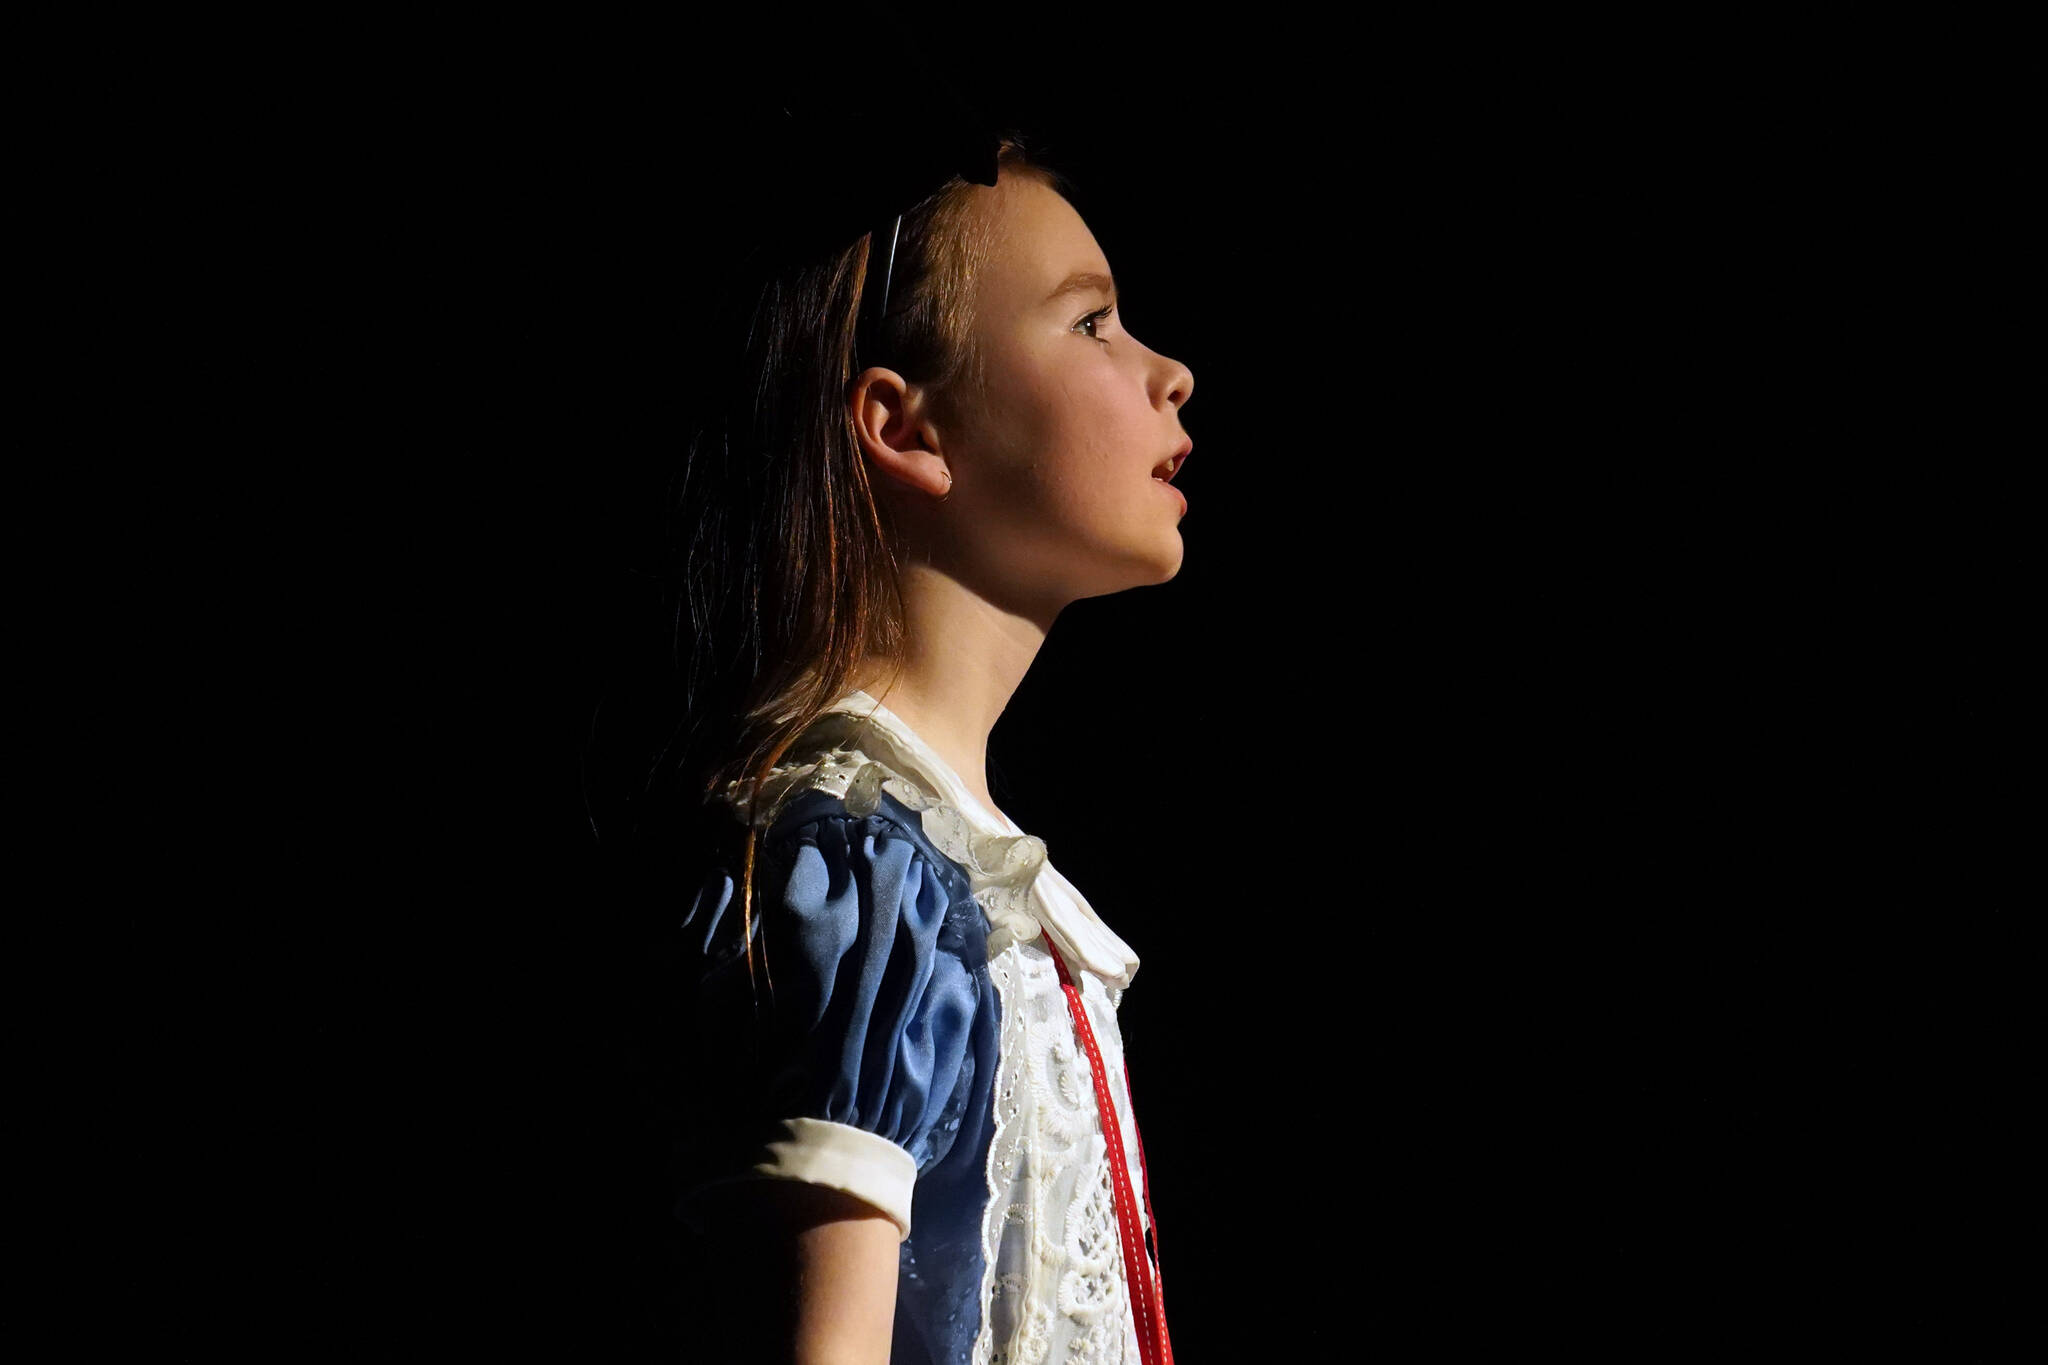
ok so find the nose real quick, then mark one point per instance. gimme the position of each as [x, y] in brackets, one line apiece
[1179, 382]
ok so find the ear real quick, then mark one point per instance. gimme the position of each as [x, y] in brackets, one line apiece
[893, 426]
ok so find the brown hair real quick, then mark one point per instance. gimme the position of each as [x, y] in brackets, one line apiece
[788, 570]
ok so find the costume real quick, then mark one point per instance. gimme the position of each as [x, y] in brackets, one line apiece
[922, 1053]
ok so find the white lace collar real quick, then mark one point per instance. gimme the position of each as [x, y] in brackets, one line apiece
[869, 748]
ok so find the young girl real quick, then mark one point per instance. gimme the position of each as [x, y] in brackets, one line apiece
[906, 1108]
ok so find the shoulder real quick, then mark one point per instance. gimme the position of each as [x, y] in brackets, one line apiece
[822, 819]
[820, 846]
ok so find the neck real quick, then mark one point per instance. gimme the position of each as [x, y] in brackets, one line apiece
[963, 660]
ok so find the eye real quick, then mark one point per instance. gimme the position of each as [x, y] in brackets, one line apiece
[1095, 317]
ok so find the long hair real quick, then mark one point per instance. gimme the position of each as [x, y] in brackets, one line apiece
[782, 574]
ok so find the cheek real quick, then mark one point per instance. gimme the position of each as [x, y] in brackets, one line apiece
[1059, 427]
[1083, 442]
[1104, 427]
[1087, 410]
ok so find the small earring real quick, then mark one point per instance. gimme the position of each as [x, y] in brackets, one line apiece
[949, 485]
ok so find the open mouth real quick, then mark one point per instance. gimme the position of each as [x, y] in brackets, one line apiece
[1164, 471]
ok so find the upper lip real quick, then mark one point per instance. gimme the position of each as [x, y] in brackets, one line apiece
[1178, 458]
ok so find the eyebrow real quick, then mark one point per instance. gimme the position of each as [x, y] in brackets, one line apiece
[1082, 281]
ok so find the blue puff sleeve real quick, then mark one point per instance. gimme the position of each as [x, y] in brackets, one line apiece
[864, 1061]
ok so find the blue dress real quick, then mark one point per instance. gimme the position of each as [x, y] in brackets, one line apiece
[885, 1022]
[918, 1049]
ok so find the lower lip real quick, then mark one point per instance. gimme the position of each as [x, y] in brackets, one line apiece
[1175, 491]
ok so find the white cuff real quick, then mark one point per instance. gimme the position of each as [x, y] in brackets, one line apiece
[840, 1156]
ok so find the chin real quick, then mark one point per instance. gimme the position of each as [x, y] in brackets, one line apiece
[1169, 569]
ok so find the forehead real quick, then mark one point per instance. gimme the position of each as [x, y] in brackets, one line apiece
[1037, 243]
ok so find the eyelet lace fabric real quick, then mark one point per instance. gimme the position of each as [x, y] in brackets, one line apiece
[1055, 1275]
[1053, 1282]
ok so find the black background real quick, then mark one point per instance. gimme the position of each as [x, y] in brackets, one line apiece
[1560, 805]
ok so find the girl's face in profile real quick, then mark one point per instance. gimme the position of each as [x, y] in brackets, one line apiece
[1054, 497]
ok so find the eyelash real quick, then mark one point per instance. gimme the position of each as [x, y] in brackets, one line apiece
[1098, 316]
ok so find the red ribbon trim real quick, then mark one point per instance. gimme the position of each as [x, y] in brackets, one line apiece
[1148, 1293]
